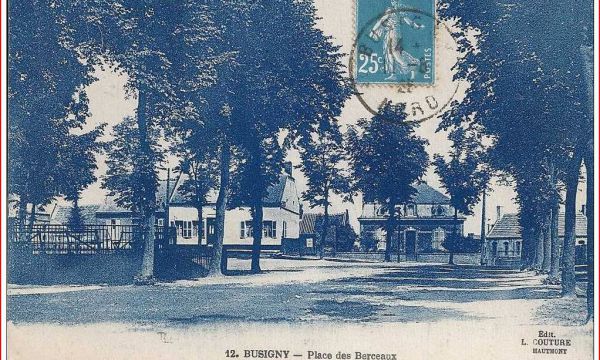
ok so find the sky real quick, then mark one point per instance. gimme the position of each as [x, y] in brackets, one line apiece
[109, 104]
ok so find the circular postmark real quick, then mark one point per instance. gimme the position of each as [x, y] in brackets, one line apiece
[425, 83]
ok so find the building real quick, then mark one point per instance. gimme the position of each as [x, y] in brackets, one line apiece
[281, 215]
[422, 227]
[504, 242]
[340, 235]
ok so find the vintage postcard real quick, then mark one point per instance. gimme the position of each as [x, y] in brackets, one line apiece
[299, 179]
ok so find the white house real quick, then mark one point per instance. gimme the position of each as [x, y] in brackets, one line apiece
[281, 219]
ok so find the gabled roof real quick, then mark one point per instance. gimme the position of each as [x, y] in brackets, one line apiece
[275, 192]
[274, 195]
[309, 221]
[428, 195]
[508, 226]
[88, 213]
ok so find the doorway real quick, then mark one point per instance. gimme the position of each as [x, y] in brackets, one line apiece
[411, 245]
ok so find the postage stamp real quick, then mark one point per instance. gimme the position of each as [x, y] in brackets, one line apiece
[395, 42]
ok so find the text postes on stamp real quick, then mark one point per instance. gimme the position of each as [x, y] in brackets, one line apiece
[395, 42]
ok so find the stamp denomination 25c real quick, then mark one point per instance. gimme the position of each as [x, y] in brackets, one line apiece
[395, 42]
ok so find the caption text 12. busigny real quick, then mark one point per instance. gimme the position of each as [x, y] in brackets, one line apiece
[310, 355]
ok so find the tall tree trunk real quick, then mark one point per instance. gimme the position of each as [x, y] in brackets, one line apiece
[454, 236]
[547, 245]
[257, 208]
[324, 230]
[257, 232]
[528, 249]
[216, 267]
[568, 254]
[146, 275]
[200, 224]
[146, 171]
[389, 231]
[539, 248]
[590, 214]
[553, 277]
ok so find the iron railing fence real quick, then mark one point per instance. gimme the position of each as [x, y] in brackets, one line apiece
[86, 239]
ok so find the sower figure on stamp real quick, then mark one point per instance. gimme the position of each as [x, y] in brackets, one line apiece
[388, 27]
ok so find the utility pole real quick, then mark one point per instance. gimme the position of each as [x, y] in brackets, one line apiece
[483, 227]
[167, 224]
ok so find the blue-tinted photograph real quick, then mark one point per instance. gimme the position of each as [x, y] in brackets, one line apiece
[300, 179]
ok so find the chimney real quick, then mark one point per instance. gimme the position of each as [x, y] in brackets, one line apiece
[583, 209]
[288, 168]
[498, 212]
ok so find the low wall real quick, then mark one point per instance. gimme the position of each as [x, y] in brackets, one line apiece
[459, 259]
[359, 256]
[441, 258]
[23, 267]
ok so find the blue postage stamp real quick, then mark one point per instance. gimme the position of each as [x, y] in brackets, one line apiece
[395, 42]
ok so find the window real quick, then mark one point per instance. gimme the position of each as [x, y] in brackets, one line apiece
[518, 248]
[245, 229]
[284, 230]
[438, 237]
[506, 248]
[411, 210]
[160, 222]
[186, 229]
[270, 229]
[195, 229]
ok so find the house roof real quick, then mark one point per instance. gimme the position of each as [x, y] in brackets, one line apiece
[88, 213]
[508, 226]
[309, 221]
[428, 195]
[274, 192]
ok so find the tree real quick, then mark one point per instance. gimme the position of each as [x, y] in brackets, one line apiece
[162, 48]
[78, 164]
[463, 177]
[387, 159]
[322, 163]
[124, 179]
[546, 83]
[44, 74]
[292, 77]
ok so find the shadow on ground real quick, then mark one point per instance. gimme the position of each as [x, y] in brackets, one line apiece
[384, 297]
